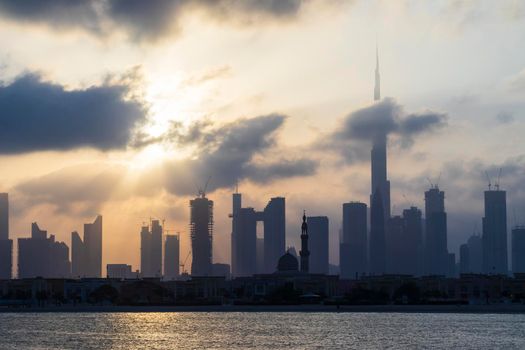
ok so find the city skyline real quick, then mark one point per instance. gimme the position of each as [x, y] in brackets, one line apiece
[449, 106]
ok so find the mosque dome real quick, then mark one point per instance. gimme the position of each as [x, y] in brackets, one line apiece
[287, 263]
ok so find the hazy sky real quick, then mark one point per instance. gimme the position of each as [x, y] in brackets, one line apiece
[124, 107]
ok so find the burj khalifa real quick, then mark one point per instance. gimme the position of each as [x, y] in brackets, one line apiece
[380, 193]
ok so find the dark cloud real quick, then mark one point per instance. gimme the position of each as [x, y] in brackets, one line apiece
[38, 115]
[146, 20]
[382, 119]
[226, 153]
[505, 117]
[56, 13]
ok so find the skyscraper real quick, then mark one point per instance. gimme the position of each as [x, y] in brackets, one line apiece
[78, 256]
[156, 248]
[6, 245]
[518, 249]
[86, 256]
[413, 235]
[318, 236]
[4, 216]
[396, 246]
[201, 232]
[495, 233]
[236, 208]
[436, 252]
[151, 249]
[145, 252]
[377, 251]
[244, 227]
[274, 232]
[354, 246]
[304, 253]
[246, 243]
[464, 261]
[379, 156]
[380, 192]
[475, 252]
[40, 256]
[377, 92]
[93, 245]
[171, 257]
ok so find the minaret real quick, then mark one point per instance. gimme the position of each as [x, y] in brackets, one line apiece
[305, 253]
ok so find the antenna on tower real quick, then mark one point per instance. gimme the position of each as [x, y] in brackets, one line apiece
[430, 182]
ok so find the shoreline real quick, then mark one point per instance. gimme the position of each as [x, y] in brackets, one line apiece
[472, 309]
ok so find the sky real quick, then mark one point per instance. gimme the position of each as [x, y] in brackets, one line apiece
[125, 107]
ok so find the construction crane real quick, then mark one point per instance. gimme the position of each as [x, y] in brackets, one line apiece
[496, 185]
[488, 179]
[183, 264]
[201, 191]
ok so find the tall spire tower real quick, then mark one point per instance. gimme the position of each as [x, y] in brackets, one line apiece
[380, 192]
[305, 253]
[377, 87]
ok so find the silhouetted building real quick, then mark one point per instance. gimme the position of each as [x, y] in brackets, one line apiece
[145, 252]
[236, 208]
[304, 253]
[171, 257]
[495, 233]
[464, 259]
[451, 265]
[377, 251]
[319, 248]
[40, 256]
[6, 259]
[395, 246]
[245, 253]
[151, 249]
[288, 263]
[6, 245]
[156, 248]
[436, 252]
[274, 232]
[93, 243]
[201, 231]
[247, 243]
[413, 226]
[86, 256]
[221, 270]
[78, 257]
[475, 252]
[353, 248]
[379, 157]
[518, 249]
[4, 216]
[120, 271]
[404, 243]
[260, 255]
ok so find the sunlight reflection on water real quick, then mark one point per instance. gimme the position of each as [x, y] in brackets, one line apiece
[258, 329]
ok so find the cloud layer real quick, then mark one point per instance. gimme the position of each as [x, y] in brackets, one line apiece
[144, 20]
[382, 119]
[227, 153]
[39, 116]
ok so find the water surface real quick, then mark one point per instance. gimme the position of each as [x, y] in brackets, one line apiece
[262, 330]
